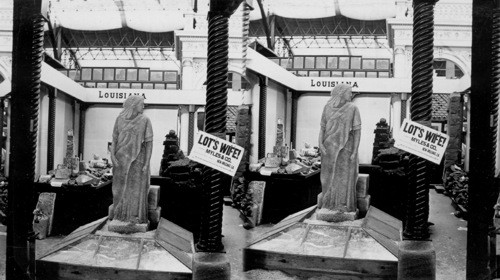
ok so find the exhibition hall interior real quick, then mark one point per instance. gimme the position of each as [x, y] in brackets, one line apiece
[249, 139]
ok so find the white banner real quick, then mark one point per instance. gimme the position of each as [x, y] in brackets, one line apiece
[216, 153]
[372, 85]
[421, 141]
[157, 96]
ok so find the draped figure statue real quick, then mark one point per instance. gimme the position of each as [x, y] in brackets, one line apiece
[339, 138]
[131, 153]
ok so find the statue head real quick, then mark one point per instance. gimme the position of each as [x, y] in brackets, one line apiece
[132, 106]
[340, 94]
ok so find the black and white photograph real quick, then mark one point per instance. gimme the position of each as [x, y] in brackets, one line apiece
[249, 139]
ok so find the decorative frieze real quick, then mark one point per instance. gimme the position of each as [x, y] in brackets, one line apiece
[460, 56]
[200, 66]
[457, 36]
[409, 53]
[196, 46]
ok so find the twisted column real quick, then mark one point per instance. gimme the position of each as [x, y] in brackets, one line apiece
[81, 134]
[27, 64]
[417, 211]
[52, 129]
[482, 186]
[495, 83]
[1, 128]
[403, 110]
[262, 116]
[35, 83]
[495, 94]
[191, 131]
[215, 123]
[293, 129]
[245, 31]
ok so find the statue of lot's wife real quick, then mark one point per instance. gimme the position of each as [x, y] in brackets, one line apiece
[339, 139]
[131, 153]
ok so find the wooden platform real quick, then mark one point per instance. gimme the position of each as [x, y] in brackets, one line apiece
[306, 248]
[93, 253]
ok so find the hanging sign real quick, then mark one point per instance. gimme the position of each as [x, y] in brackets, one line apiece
[421, 141]
[216, 153]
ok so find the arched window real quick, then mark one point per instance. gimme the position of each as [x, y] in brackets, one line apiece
[447, 68]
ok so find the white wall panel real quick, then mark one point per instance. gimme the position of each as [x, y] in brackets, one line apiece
[309, 110]
[100, 120]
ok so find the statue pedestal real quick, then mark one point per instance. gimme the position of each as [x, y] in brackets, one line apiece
[127, 228]
[97, 253]
[335, 216]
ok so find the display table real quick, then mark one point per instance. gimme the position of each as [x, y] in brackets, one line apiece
[76, 205]
[79, 205]
[286, 194]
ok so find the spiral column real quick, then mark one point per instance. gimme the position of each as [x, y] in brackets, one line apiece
[482, 187]
[191, 130]
[495, 83]
[81, 125]
[495, 94]
[52, 129]
[262, 116]
[244, 35]
[417, 211]
[26, 64]
[403, 110]
[210, 238]
[293, 130]
[2, 112]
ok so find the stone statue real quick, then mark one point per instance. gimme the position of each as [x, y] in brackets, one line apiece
[131, 153]
[339, 138]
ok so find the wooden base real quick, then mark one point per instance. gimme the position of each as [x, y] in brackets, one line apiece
[90, 253]
[311, 266]
[306, 249]
[58, 271]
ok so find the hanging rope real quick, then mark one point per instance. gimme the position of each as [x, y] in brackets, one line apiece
[417, 212]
